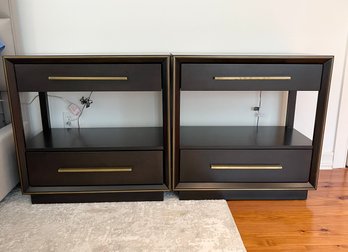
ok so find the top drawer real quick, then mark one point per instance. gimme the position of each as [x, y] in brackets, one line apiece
[275, 77]
[88, 77]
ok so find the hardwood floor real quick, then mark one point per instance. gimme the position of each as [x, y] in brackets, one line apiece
[319, 223]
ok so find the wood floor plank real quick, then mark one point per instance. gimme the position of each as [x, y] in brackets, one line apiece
[279, 248]
[319, 223]
[326, 248]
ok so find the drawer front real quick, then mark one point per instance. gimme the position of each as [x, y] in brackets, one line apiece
[276, 77]
[95, 168]
[88, 77]
[245, 165]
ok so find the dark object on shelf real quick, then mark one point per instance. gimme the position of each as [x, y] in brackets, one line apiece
[232, 162]
[2, 46]
[86, 101]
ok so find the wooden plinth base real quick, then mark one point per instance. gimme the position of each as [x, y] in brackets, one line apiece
[96, 197]
[244, 195]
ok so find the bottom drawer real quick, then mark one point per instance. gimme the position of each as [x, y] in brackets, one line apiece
[95, 168]
[245, 165]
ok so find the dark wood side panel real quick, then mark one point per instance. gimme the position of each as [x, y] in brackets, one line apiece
[202, 76]
[17, 122]
[147, 168]
[140, 77]
[176, 121]
[166, 107]
[320, 119]
[197, 165]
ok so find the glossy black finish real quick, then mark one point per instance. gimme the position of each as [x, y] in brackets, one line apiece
[242, 137]
[201, 76]
[84, 139]
[195, 165]
[96, 197]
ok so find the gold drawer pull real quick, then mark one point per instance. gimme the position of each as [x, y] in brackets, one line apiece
[85, 78]
[242, 78]
[246, 167]
[100, 169]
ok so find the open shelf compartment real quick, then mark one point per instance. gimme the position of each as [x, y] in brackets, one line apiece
[242, 137]
[84, 139]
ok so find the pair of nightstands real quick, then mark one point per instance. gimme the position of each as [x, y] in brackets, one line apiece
[140, 163]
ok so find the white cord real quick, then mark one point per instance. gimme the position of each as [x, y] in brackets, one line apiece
[67, 101]
[60, 97]
[83, 108]
[55, 96]
[28, 103]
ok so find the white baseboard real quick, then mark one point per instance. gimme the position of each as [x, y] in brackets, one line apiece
[326, 161]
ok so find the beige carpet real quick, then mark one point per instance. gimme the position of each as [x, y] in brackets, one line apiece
[171, 225]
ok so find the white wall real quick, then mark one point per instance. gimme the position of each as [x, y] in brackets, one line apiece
[341, 143]
[221, 108]
[220, 26]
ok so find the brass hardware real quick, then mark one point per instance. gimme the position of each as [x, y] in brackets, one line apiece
[242, 78]
[87, 78]
[246, 167]
[101, 169]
